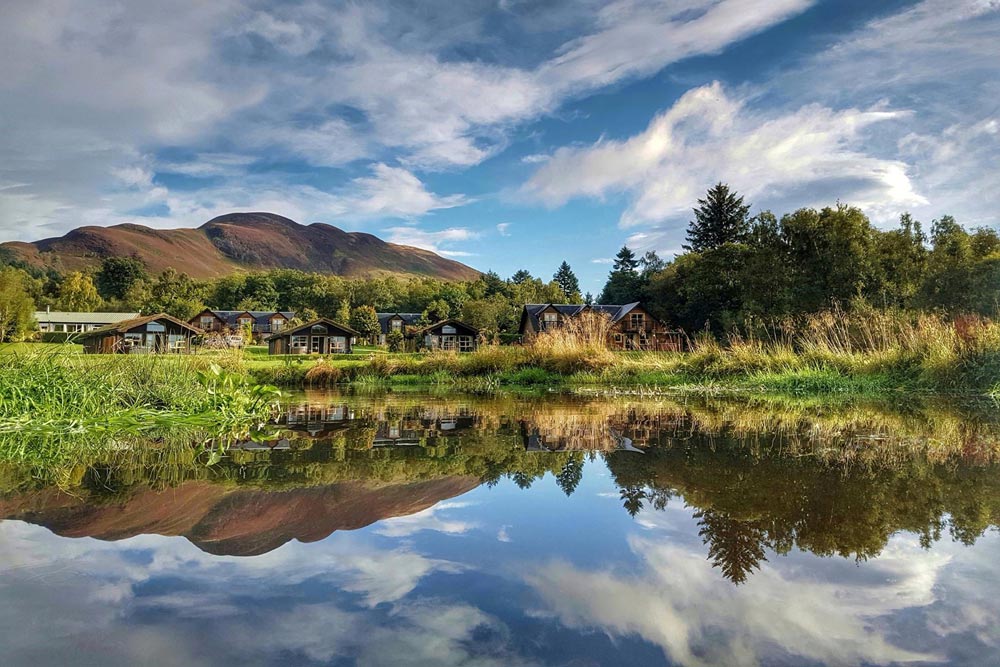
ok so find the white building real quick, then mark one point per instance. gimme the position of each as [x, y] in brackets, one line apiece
[55, 320]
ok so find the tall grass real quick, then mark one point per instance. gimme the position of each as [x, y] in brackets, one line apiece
[50, 401]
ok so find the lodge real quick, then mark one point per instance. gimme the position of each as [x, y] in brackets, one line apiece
[390, 322]
[448, 335]
[57, 321]
[632, 327]
[236, 321]
[321, 336]
[150, 334]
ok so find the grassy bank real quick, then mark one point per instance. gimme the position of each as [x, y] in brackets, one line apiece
[868, 354]
[54, 403]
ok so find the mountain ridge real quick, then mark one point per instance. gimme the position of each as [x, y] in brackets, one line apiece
[249, 241]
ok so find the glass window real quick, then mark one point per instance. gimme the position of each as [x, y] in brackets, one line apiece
[448, 330]
[397, 325]
[155, 327]
[277, 325]
[638, 320]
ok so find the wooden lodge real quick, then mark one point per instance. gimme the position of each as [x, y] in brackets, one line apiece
[55, 321]
[401, 322]
[632, 327]
[150, 334]
[449, 335]
[236, 321]
[321, 336]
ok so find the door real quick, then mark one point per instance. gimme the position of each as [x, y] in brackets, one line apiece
[316, 344]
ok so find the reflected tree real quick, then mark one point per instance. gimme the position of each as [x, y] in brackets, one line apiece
[571, 474]
[735, 547]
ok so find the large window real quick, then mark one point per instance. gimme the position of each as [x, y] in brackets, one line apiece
[550, 320]
[206, 321]
[338, 344]
[299, 344]
[397, 325]
[637, 321]
[277, 325]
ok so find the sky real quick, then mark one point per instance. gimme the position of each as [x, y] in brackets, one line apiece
[506, 134]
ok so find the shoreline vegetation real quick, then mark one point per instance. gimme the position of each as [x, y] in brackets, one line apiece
[865, 353]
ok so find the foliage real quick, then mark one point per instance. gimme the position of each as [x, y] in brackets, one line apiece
[77, 293]
[721, 218]
[364, 320]
[568, 283]
[16, 305]
[117, 276]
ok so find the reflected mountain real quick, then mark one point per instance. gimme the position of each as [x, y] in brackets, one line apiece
[761, 478]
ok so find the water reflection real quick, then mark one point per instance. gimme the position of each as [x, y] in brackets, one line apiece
[545, 530]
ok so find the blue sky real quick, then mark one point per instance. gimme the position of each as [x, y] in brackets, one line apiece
[505, 134]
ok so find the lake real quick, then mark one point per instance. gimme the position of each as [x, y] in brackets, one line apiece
[423, 529]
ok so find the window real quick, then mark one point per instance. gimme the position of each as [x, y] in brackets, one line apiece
[243, 321]
[397, 325]
[277, 325]
[465, 344]
[637, 321]
[338, 344]
[155, 327]
[448, 329]
[206, 321]
[299, 343]
[318, 328]
[550, 319]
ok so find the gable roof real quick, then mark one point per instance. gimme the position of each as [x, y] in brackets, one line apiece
[532, 311]
[230, 317]
[409, 319]
[125, 325]
[308, 325]
[452, 322]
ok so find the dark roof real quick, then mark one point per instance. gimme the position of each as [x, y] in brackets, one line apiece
[125, 325]
[307, 325]
[409, 319]
[452, 322]
[259, 316]
[614, 312]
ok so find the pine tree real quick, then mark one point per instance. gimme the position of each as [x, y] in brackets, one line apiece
[568, 283]
[721, 217]
[625, 261]
[520, 277]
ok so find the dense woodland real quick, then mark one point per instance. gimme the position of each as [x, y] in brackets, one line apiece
[738, 273]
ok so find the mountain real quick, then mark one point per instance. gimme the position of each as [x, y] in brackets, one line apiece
[232, 522]
[238, 241]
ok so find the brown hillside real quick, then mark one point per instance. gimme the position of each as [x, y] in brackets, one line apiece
[238, 241]
[233, 522]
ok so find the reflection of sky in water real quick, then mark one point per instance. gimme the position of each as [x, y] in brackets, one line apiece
[498, 576]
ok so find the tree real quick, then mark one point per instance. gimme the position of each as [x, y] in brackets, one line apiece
[117, 275]
[343, 314]
[364, 320]
[568, 283]
[175, 294]
[571, 474]
[520, 276]
[394, 339]
[624, 284]
[651, 263]
[16, 305]
[721, 217]
[77, 293]
[437, 310]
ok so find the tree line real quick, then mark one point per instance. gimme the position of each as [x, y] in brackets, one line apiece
[738, 271]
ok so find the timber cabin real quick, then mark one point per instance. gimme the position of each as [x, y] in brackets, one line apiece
[448, 335]
[632, 327]
[389, 322]
[321, 336]
[236, 321]
[150, 334]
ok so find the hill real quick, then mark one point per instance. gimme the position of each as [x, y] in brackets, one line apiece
[235, 242]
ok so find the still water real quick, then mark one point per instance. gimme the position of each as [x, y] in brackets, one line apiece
[418, 529]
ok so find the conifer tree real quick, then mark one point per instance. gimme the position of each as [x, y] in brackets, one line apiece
[721, 217]
[567, 282]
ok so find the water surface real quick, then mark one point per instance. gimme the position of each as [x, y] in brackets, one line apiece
[439, 530]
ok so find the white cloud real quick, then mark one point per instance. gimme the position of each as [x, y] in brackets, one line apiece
[503, 228]
[708, 136]
[603, 260]
[680, 603]
[89, 92]
[437, 241]
[428, 519]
